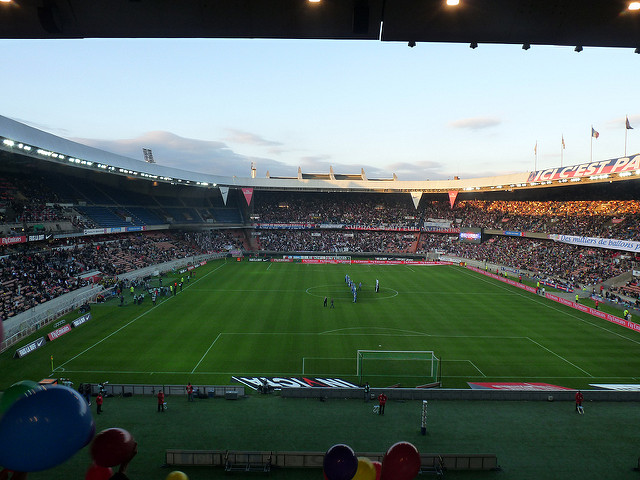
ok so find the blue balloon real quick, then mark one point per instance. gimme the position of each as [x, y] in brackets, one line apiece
[44, 429]
[340, 462]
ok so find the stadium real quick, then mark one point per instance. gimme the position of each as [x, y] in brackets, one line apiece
[458, 284]
[289, 326]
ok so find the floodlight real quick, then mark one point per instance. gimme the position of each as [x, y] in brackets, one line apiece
[634, 6]
[453, 3]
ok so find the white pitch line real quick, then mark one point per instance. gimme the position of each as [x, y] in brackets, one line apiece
[293, 374]
[108, 336]
[205, 353]
[132, 321]
[552, 307]
[474, 365]
[467, 361]
[560, 357]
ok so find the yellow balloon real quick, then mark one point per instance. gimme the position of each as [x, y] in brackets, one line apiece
[177, 476]
[366, 470]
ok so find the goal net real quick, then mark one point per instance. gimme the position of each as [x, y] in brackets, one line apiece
[406, 367]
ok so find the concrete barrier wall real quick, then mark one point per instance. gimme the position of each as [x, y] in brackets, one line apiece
[290, 459]
[117, 389]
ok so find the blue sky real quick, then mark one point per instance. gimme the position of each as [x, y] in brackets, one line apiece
[429, 112]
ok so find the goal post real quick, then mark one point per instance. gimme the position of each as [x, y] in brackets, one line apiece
[409, 366]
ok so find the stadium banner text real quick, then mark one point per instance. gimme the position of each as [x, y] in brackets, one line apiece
[30, 347]
[502, 279]
[291, 382]
[604, 167]
[595, 242]
[80, 320]
[12, 240]
[596, 313]
[58, 332]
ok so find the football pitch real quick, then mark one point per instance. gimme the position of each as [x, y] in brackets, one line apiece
[267, 319]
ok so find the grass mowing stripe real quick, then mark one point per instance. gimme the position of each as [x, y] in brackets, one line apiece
[129, 323]
[552, 307]
[559, 356]
[205, 353]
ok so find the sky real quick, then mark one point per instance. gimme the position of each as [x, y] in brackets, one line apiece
[430, 112]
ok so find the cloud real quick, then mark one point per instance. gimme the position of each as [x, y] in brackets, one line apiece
[171, 150]
[217, 158]
[616, 123]
[425, 170]
[248, 138]
[41, 126]
[475, 123]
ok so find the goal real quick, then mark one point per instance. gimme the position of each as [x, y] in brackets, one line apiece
[411, 367]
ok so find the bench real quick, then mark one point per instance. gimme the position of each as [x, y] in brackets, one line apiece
[247, 461]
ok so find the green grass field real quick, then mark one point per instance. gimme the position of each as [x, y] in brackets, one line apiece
[254, 319]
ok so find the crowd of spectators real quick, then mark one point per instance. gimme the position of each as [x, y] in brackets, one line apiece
[28, 278]
[334, 241]
[211, 241]
[353, 222]
[570, 264]
[618, 219]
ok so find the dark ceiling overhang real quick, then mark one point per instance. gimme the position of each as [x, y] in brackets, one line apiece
[602, 23]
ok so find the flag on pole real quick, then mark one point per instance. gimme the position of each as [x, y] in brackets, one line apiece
[535, 149]
[594, 133]
[563, 146]
[628, 125]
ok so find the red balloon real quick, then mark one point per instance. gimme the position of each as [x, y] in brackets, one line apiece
[378, 466]
[112, 447]
[97, 472]
[401, 462]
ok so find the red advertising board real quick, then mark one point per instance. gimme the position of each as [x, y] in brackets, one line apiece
[569, 303]
[59, 332]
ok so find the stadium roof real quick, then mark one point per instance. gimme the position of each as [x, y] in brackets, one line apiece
[23, 141]
[604, 23]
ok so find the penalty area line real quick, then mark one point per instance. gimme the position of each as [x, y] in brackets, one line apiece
[205, 353]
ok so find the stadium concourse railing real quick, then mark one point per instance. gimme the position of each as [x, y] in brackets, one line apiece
[24, 324]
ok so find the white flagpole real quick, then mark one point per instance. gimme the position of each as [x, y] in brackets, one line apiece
[562, 151]
[626, 120]
[591, 144]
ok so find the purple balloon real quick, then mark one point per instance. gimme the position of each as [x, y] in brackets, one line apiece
[44, 429]
[340, 462]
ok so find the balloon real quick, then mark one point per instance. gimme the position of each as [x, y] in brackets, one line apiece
[97, 472]
[177, 476]
[340, 463]
[366, 470]
[112, 447]
[44, 429]
[378, 467]
[17, 391]
[401, 462]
